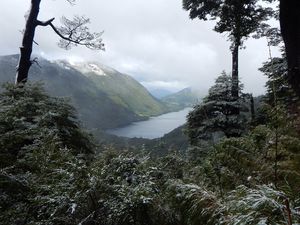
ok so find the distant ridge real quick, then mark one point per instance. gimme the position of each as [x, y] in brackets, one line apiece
[182, 99]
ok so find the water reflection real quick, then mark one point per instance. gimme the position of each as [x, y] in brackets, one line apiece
[154, 127]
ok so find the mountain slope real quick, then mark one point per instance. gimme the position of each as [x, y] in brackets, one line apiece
[159, 93]
[99, 106]
[122, 89]
[182, 99]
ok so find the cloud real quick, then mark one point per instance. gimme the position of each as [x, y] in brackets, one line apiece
[154, 41]
[172, 86]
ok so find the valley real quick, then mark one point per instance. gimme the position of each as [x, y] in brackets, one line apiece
[149, 118]
[104, 98]
[154, 127]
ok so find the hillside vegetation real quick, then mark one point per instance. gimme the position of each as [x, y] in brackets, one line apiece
[103, 97]
[236, 161]
[53, 173]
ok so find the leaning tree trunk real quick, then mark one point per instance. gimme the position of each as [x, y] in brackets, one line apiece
[290, 30]
[27, 42]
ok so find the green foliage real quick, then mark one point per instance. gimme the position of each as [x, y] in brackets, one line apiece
[44, 154]
[215, 115]
[268, 154]
[224, 166]
[277, 84]
[263, 205]
[239, 18]
[195, 205]
[279, 91]
[126, 189]
[47, 193]
[49, 175]
[28, 117]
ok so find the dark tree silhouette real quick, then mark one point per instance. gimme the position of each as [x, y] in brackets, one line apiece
[239, 18]
[72, 33]
[290, 30]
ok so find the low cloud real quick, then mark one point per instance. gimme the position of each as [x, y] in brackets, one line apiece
[171, 86]
[154, 41]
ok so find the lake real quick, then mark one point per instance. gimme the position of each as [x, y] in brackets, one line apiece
[154, 127]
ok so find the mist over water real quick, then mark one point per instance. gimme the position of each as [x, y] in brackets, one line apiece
[155, 127]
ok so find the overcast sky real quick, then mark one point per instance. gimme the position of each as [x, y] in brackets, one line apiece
[154, 41]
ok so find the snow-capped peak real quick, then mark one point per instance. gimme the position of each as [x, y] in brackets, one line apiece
[88, 67]
[96, 69]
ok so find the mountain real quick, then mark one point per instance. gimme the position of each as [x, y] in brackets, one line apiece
[103, 97]
[182, 99]
[159, 93]
[122, 89]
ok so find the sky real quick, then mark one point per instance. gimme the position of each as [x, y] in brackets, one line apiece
[153, 41]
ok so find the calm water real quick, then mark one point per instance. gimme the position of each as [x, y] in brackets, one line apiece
[154, 127]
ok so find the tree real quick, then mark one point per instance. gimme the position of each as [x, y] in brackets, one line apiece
[215, 113]
[28, 116]
[239, 18]
[44, 154]
[74, 32]
[278, 87]
[290, 30]
[282, 110]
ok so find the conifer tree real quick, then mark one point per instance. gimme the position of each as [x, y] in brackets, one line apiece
[276, 70]
[215, 113]
[238, 18]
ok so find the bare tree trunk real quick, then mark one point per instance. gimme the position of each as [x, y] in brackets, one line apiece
[27, 42]
[252, 108]
[290, 30]
[235, 72]
[235, 76]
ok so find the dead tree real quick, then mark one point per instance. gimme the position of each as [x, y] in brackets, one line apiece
[72, 33]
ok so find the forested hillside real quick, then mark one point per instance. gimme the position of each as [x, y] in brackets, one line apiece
[103, 97]
[50, 173]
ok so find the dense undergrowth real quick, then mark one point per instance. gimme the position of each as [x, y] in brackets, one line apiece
[53, 173]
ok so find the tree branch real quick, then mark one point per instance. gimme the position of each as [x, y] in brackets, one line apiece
[44, 23]
[72, 2]
[75, 32]
[69, 39]
[58, 33]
